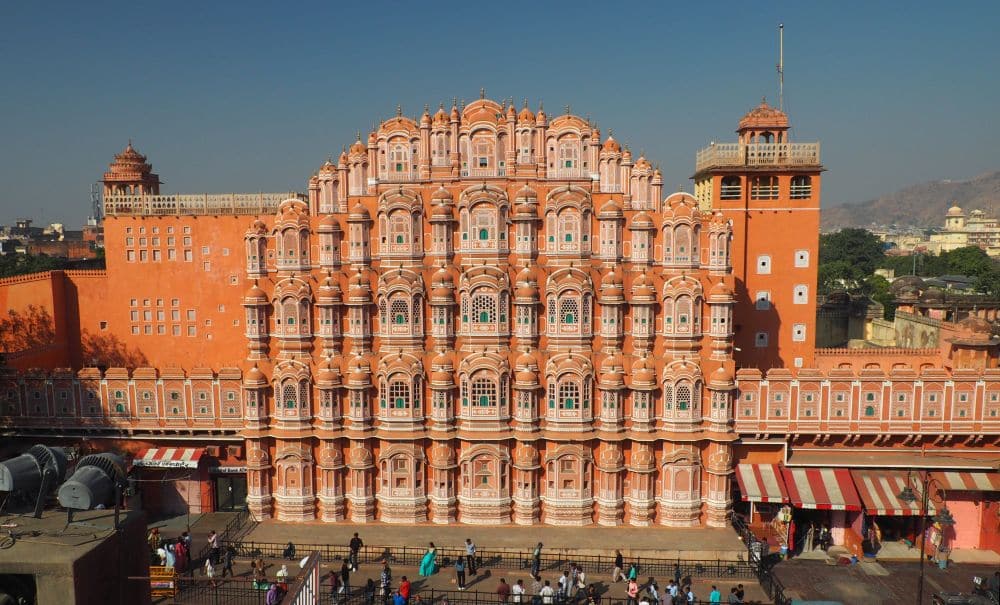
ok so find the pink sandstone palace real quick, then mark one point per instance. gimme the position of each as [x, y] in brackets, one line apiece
[492, 315]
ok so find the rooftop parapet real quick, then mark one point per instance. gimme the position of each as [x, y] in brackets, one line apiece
[721, 155]
[196, 204]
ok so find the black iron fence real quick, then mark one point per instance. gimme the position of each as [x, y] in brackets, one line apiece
[593, 565]
[761, 563]
[232, 531]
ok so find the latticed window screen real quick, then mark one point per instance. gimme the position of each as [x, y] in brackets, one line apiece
[484, 392]
[288, 395]
[668, 397]
[683, 397]
[304, 393]
[484, 309]
[585, 313]
[399, 394]
[552, 311]
[569, 395]
[524, 399]
[399, 312]
[383, 317]
[569, 309]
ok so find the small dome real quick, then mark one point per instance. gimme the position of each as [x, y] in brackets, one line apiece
[358, 146]
[525, 115]
[328, 373]
[440, 117]
[955, 211]
[526, 193]
[626, 155]
[722, 377]
[255, 294]
[254, 376]
[525, 456]
[359, 212]
[905, 282]
[764, 116]
[328, 166]
[611, 209]
[442, 195]
[358, 370]
[642, 287]
[643, 221]
[642, 163]
[721, 290]
[975, 325]
[611, 145]
[642, 457]
[328, 224]
[642, 371]
[932, 295]
[527, 284]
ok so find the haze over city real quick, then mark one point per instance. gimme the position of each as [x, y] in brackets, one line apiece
[255, 96]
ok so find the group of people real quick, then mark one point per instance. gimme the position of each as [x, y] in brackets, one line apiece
[169, 552]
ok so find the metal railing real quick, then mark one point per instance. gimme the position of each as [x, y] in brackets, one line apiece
[761, 564]
[757, 154]
[505, 559]
[233, 531]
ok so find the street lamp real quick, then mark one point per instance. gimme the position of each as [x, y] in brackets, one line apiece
[943, 517]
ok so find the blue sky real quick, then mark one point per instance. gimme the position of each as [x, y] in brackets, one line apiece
[250, 96]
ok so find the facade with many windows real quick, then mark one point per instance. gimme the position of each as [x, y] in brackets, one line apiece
[482, 315]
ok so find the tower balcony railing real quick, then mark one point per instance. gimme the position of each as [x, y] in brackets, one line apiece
[757, 154]
[575, 172]
[484, 172]
[197, 204]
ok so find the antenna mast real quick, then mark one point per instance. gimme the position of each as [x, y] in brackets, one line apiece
[781, 66]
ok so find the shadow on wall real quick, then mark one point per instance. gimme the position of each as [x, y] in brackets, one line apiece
[32, 328]
[107, 351]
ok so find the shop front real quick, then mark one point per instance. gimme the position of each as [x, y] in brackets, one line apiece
[888, 517]
[973, 498]
[229, 486]
[172, 481]
[825, 504]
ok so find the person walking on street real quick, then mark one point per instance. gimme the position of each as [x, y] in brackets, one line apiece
[503, 591]
[654, 591]
[616, 573]
[547, 594]
[153, 539]
[398, 599]
[227, 561]
[536, 585]
[536, 560]
[385, 579]
[355, 545]
[210, 571]
[715, 596]
[673, 588]
[632, 591]
[732, 596]
[740, 593]
[345, 578]
[370, 592]
[564, 581]
[460, 572]
[289, 553]
[690, 594]
[517, 592]
[470, 555]
[213, 545]
[404, 590]
[334, 585]
[428, 565]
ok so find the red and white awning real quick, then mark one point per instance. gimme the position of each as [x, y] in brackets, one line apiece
[975, 482]
[169, 457]
[821, 488]
[761, 483]
[879, 491]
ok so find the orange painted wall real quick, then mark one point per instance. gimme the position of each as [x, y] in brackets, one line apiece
[37, 334]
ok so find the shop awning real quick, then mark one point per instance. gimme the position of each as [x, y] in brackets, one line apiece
[169, 457]
[761, 483]
[821, 488]
[975, 482]
[879, 491]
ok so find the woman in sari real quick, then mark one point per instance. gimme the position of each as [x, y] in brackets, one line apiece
[427, 564]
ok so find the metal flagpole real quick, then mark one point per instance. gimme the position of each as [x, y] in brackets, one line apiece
[781, 66]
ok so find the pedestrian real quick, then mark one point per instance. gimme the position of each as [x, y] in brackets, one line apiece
[169, 559]
[732, 596]
[536, 585]
[181, 551]
[517, 590]
[345, 578]
[334, 585]
[564, 581]
[153, 539]
[715, 596]
[398, 599]
[210, 571]
[547, 594]
[385, 579]
[370, 592]
[503, 591]
[289, 552]
[282, 576]
[427, 564]
[592, 597]
[470, 555]
[460, 572]
[355, 545]
[633, 571]
[690, 594]
[677, 574]
[187, 540]
[213, 546]
[644, 600]
[404, 590]
[654, 591]
[581, 581]
[536, 560]
[616, 573]
[740, 593]
[632, 591]
[668, 599]
[574, 579]
[274, 595]
[227, 559]
[674, 588]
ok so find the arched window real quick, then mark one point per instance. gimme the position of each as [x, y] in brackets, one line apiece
[524, 148]
[731, 188]
[764, 188]
[441, 151]
[569, 157]
[801, 187]
[399, 159]
[289, 395]
[683, 314]
[400, 224]
[482, 152]
[483, 226]
[682, 244]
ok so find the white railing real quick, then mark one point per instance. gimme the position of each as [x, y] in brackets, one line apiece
[757, 154]
[224, 203]
[483, 172]
[398, 177]
[566, 173]
[730, 192]
[764, 192]
[800, 192]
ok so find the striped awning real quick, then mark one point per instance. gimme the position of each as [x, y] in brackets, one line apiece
[761, 483]
[169, 457]
[975, 482]
[821, 488]
[879, 491]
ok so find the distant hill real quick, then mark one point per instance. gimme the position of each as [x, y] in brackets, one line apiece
[922, 205]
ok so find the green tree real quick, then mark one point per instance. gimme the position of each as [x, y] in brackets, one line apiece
[858, 247]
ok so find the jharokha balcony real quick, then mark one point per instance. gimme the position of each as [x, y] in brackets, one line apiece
[196, 204]
[721, 155]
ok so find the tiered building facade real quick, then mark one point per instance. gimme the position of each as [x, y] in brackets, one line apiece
[482, 315]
